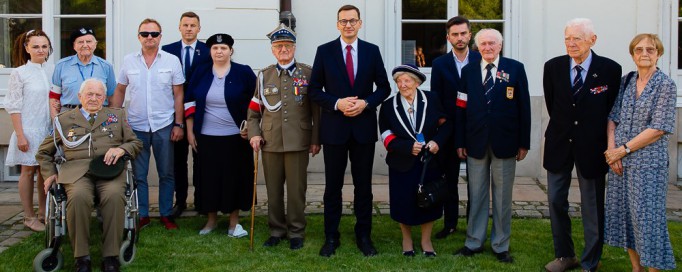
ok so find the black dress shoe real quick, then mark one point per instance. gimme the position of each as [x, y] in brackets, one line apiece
[295, 243]
[445, 232]
[111, 264]
[329, 247]
[429, 254]
[504, 257]
[83, 264]
[178, 209]
[272, 241]
[366, 247]
[465, 251]
[409, 253]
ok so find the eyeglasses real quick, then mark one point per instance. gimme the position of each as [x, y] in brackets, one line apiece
[146, 34]
[280, 46]
[352, 22]
[649, 50]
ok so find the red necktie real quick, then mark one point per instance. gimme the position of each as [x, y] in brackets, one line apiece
[349, 65]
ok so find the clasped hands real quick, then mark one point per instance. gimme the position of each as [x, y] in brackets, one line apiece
[351, 106]
[613, 159]
[431, 146]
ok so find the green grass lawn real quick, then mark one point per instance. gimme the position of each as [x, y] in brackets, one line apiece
[184, 250]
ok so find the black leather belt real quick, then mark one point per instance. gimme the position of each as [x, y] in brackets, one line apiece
[70, 106]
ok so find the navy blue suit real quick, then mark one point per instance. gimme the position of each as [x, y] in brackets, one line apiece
[576, 135]
[446, 80]
[504, 125]
[202, 55]
[348, 137]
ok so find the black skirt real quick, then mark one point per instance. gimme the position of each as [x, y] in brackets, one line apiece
[226, 167]
[402, 189]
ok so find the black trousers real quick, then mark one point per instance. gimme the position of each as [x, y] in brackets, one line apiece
[592, 210]
[181, 170]
[335, 160]
[449, 163]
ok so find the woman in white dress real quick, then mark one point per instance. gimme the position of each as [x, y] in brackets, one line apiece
[27, 104]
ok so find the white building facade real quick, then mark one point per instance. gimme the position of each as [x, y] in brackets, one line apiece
[532, 30]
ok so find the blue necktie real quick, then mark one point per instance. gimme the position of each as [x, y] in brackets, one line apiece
[488, 83]
[577, 81]
[188, 63]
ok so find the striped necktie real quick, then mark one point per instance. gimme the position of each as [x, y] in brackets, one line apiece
[577, 81]
[489, 82]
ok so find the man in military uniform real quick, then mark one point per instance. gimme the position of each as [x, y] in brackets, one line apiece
[283, 122]
[85, 133]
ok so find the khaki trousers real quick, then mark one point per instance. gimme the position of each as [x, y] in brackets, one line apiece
[290, 168]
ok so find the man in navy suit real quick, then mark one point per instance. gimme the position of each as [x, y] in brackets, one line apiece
[493, 133]
[348, 68]
[445, 80]
[191, 53]
[580, 89]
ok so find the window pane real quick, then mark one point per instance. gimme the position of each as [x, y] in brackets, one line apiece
[69, 24]
[82, 7]
[679, 9]
[425, 9]
[481, 9]
[21, 6]
[679, 45]
[10, 29]
[427, 38]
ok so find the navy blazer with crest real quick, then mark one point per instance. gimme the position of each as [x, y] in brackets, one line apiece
[577, 128]
[202, 56]
[329, 82]
[504, 125]
[445, 79]
[398, 141]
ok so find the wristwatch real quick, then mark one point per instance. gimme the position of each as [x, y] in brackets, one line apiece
[182, 126]
[627, 149]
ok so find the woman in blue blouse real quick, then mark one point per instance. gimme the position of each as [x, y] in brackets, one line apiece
[217, 99]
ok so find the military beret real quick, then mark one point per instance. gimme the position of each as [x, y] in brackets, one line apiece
[282, 33]
[409, 68]
[81, 32]
[220, 38]
[101, 171]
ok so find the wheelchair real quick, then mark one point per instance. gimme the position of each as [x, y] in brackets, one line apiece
[51, 258]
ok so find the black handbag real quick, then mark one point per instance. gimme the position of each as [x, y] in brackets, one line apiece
[432, 192]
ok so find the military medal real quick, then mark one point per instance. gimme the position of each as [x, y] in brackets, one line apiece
[70, 133]
[111, 134]
[275, 90]
[510, 92]
[104, 129]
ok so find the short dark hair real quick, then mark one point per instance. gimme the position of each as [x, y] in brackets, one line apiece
[457, 20]
[190, 14]
[348, 7]
[149, 21]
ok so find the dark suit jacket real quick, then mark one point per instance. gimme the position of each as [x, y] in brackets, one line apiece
[329, 72]
[398, 141]
[202, 55]
[505, 123]
[445, 80]
[577, 129]
[240, 84]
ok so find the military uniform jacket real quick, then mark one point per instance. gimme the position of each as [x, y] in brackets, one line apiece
[281, 111]
[110, 129]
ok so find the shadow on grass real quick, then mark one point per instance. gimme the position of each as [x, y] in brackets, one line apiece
[184, 250]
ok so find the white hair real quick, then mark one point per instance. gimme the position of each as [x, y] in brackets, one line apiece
[585, 25]
[495, 32]
[87, 81]
[396, 75]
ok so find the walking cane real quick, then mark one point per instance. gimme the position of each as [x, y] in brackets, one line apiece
[253, 201]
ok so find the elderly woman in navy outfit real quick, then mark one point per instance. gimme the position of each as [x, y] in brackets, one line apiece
[216, 103]
[409, 121]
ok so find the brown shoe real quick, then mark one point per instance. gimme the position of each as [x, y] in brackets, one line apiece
[34, 224]
[562, 264]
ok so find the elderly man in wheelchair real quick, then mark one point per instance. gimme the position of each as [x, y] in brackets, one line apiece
[91, 142]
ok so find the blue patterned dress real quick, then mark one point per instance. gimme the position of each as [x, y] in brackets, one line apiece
[635, 202]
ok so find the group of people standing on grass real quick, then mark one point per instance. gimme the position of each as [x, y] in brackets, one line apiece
[191, 95]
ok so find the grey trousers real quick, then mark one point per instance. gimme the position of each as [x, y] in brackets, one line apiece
[592, 211]
[497, 175]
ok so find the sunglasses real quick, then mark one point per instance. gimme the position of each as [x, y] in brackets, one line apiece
[146, 34]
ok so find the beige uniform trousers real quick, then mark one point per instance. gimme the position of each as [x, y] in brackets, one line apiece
[288, 168]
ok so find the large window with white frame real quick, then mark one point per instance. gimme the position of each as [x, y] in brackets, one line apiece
[423, 25]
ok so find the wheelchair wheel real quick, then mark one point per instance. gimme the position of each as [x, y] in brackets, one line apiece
[45, 262]
[49, 220]
[126, 254]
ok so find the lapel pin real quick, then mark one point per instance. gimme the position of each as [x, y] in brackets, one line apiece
[594, 75]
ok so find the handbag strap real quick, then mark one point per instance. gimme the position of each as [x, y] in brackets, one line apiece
[426, 158]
